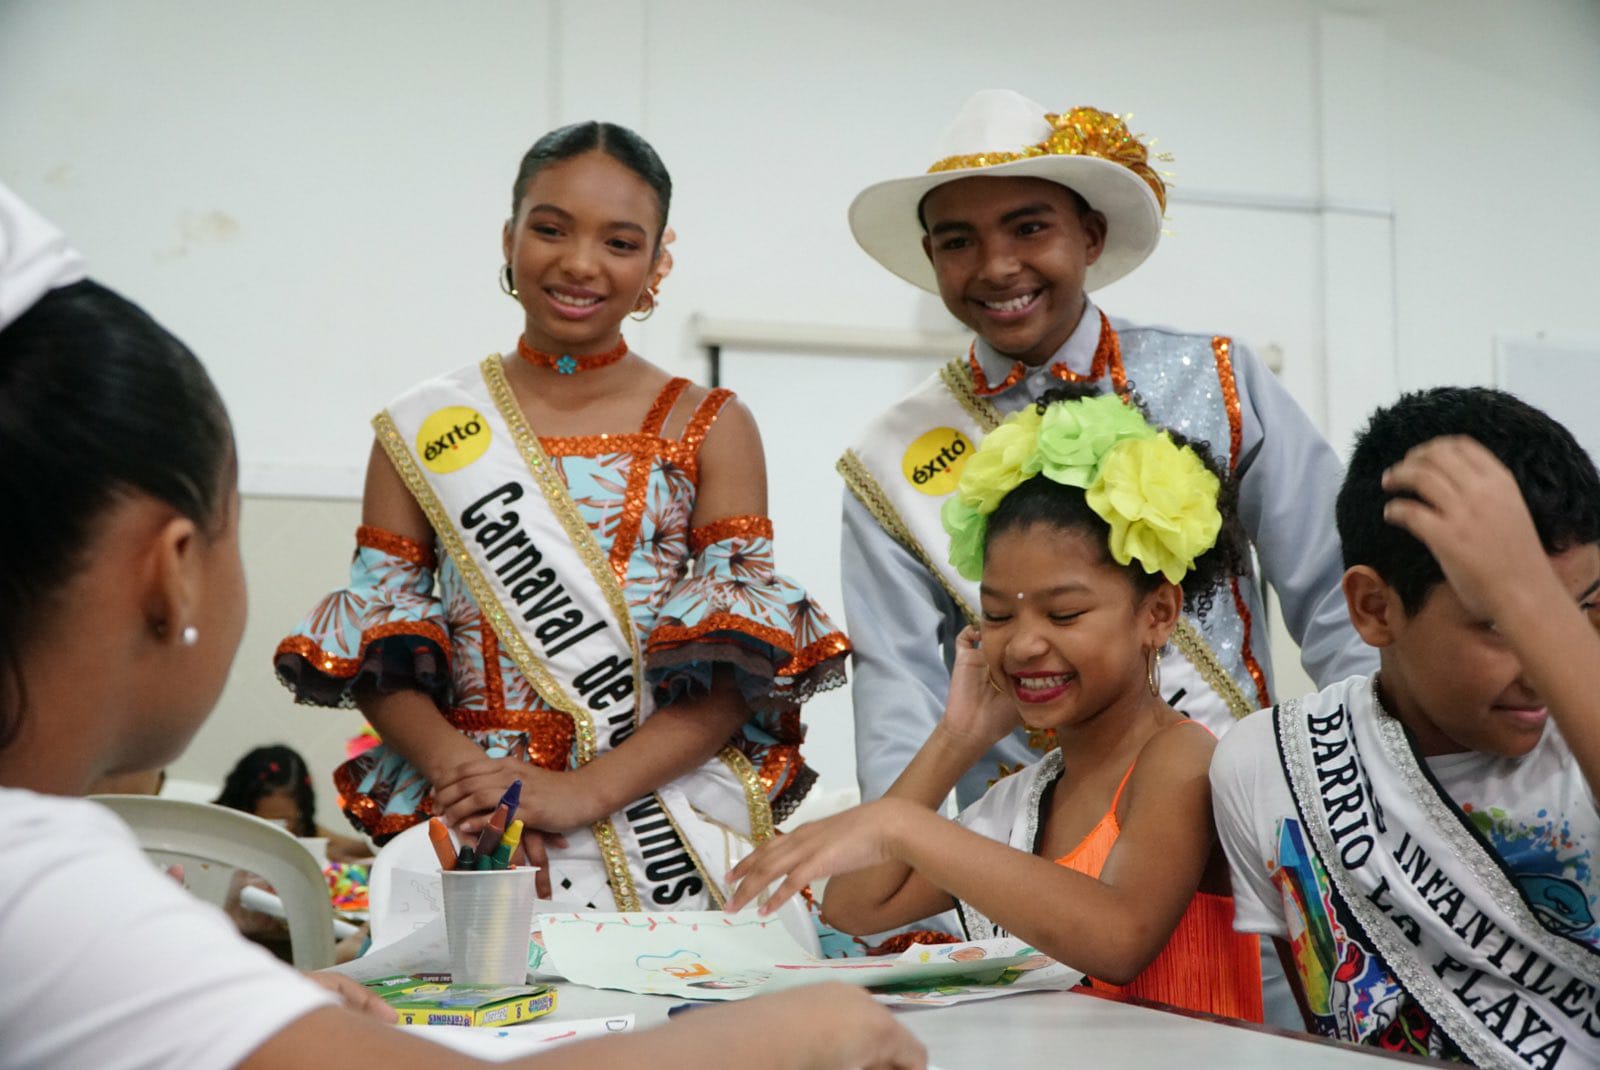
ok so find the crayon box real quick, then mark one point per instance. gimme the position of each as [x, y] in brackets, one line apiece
[422, 1002]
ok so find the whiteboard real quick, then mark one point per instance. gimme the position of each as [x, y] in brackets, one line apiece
[1559, 375]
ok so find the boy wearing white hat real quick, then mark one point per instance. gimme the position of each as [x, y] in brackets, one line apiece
[1021, 214]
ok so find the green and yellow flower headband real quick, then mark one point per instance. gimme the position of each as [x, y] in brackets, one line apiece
[1159, 498]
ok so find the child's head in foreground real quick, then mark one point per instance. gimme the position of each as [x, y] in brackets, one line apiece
[1087, 529]
[1449, 676]
[121, 558]
[273, 783]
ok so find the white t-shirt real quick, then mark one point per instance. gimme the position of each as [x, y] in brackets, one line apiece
[1536, 812]
[108, 963]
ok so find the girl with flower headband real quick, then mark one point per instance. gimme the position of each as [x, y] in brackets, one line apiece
[1087, 529]
[1023, 214]
[564, 576]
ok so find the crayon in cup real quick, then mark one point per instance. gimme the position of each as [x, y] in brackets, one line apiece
[442, 846]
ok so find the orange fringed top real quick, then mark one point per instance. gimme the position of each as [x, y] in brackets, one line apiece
[1206, 966]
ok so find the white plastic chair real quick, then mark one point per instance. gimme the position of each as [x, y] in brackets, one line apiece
[210, 841]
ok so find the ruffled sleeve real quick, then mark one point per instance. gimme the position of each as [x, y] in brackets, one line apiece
[734, 609]
[386, 630]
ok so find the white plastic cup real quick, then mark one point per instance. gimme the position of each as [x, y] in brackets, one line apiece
[488, 916]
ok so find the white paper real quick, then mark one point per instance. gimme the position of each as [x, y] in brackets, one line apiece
[711, 955]
[515, 1041]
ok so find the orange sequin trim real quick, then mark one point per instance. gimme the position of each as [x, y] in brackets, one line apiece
[494, 684]
[568, 363]
[678, 634]
[901, 942]
[729, 527]
[1250, 661]
[779, 767]
[704, 414]
[638, 485]
[1222, 348]
[1107, 357]
[344, 668]
[367, 814]
[388, 542]
[656, 418]
[980, 381]
[550, 732]
[320, 659]
[602, 445]
[832, 645]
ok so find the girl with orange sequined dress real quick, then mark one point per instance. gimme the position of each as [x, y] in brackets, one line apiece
[564, 576]
[1087, 529]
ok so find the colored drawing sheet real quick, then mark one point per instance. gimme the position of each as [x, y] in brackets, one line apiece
[710, 955]
[1036, 973]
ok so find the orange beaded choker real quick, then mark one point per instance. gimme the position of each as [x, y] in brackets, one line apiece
[566, 363]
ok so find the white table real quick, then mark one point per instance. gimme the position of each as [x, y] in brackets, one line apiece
[1055, 1029]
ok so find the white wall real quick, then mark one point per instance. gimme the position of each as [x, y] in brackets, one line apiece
[311, 195]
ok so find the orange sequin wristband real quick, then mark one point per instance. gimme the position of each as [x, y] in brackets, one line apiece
[730, 527]
[374, 538]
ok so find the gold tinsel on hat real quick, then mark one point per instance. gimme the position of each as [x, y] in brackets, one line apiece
[1080, 132]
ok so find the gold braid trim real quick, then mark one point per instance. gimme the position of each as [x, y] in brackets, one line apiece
[958, 380]
[1193, 646]
[876, 502]
[555, 493]
[598, 563]
[394, 444]
[755, 796]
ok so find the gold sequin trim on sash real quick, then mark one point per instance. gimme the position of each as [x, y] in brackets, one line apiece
[876, 502]
[754, 793]
[958, 380]
[1192, 645]
[623, 890]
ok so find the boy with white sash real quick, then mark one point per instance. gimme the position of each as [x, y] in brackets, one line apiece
[1021, 213]
[1421, 843]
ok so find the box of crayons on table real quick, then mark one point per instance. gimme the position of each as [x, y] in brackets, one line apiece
[420, 1001]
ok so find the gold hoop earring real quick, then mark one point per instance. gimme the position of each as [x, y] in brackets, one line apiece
[1152, 671]
[988, 674]
[648, 310]
[508, 285]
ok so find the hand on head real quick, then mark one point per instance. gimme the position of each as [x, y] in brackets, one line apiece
[978, 711]
[1467, 509]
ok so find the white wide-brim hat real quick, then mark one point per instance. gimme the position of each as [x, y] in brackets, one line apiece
[1002, 134]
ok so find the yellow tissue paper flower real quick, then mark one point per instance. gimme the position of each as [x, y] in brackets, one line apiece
[1005, 457]
[968, 529]
[1073, 437]
[1161, 503]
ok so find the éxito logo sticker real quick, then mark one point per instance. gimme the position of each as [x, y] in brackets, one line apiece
[452, 438]
[933, 462]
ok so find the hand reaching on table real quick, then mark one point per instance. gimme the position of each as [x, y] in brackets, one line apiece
[855, 839]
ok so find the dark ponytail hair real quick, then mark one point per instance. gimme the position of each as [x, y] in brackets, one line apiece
[266, 770]
[1040, 500]
[97, 400]
[617, 142]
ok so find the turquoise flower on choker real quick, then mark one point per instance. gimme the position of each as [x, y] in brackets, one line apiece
[567, 363]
